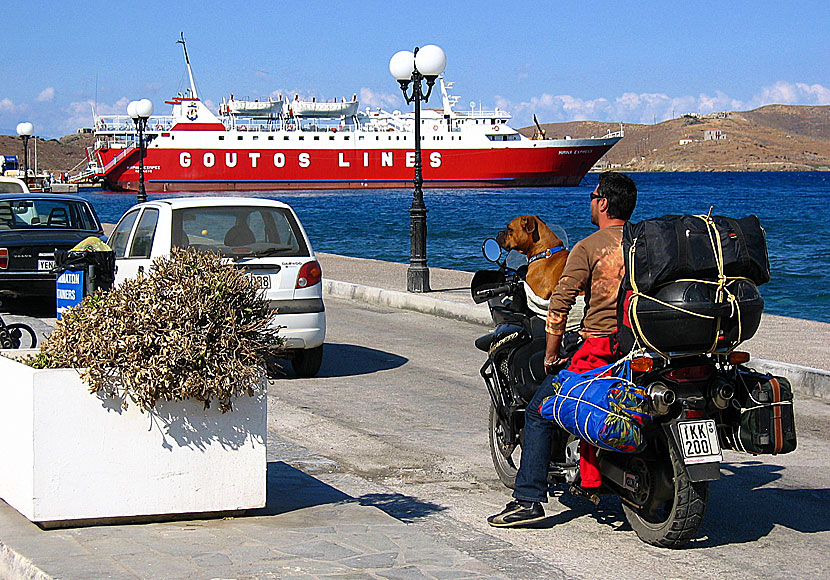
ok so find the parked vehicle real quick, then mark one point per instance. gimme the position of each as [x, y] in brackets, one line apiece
[11, 335]
[262, 236]
[32, 228]
[697, 404]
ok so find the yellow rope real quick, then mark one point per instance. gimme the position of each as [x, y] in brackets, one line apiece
[722, 292]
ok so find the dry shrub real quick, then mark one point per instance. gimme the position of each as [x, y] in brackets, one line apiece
[193, 327]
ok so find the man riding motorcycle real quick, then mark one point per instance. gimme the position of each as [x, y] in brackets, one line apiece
[595, 267]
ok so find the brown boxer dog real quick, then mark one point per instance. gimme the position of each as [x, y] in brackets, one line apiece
[546, 253]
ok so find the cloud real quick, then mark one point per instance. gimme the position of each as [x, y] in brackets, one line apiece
[7, 105]
[79, 113]
[784, 93]
[370, 98]
[46, 95]
[649, 107]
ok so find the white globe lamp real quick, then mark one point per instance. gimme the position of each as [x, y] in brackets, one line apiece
[402, 65]
[144, 108]
[430, 60]
[25, 129]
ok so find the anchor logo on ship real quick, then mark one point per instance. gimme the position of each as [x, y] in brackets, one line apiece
[192, 111]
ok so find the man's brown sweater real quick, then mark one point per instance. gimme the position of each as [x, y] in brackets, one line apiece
[595, 266]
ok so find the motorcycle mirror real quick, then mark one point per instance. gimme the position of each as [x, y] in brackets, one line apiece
[491, 250]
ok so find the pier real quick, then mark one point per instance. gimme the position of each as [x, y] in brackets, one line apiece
[379, 468]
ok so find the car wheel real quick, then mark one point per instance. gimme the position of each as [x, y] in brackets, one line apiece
[306, 362]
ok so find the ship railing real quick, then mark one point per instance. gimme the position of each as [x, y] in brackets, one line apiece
[265, 124]
[118, 158]
[482, 114]
[123, 124]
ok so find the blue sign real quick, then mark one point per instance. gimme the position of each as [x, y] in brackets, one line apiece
[69, 290]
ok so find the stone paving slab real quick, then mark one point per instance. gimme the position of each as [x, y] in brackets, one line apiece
[308, 529]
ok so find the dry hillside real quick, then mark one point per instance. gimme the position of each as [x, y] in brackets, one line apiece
[55, 155]
[771, 138]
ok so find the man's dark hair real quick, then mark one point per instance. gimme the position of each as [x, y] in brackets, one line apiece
[621, 193]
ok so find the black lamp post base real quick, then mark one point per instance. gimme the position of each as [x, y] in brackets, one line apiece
[417, 279]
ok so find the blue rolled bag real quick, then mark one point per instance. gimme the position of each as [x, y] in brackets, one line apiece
[601, 406]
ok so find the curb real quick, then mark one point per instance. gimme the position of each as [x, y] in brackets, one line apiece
[477, 314]
[805, 380]
[16, 566]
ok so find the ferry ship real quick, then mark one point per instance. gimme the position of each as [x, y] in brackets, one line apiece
[305, 144]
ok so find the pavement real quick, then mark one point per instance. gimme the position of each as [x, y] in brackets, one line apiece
[320, 522]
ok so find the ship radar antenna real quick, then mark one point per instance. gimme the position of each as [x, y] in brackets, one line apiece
[193, 92]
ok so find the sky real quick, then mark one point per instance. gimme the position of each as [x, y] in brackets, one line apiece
[630, 62]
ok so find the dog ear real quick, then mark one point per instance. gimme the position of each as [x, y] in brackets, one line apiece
[531, 227]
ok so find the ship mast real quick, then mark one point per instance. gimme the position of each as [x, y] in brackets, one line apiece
[193, 92]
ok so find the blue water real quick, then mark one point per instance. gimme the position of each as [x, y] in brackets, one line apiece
[793, 208]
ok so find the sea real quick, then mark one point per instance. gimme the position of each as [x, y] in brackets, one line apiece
[794, 209]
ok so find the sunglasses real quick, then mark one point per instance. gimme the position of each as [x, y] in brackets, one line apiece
[596, 196]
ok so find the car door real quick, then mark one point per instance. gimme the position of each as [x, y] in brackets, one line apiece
[132, 242]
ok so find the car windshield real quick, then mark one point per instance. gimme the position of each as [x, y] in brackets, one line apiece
[46, 213]
[239, 231]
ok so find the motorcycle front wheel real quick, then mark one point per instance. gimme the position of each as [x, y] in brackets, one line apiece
[673, 505]
[505, 457]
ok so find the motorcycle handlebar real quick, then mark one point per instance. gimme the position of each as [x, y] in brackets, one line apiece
[491, 292]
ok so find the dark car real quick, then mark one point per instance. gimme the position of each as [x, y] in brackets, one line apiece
[32, 228]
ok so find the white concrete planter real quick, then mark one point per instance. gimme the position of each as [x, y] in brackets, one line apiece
[69, 455]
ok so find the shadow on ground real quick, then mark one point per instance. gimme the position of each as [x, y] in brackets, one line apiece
[289, 489]
[34, 307]
[741, 508]
[347, 360]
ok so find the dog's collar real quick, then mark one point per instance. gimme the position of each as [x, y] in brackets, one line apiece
[545, 254]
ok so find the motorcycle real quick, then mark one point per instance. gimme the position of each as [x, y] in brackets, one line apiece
[664, 488]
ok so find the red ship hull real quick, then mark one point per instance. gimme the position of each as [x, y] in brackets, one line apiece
[169, 169]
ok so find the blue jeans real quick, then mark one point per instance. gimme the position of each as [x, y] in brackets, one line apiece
[532, 479]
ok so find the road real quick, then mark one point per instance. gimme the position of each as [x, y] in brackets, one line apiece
[400, 406]
[398, 416]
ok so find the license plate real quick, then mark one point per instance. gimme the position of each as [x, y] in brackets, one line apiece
[44, 265]
[699, 441]
[262, 281]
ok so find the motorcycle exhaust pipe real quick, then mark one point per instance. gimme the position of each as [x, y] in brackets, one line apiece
[721, 393]
[660, 398]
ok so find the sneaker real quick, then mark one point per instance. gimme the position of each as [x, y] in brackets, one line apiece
[518, 513]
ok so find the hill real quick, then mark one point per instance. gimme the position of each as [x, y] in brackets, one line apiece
[54, 155]
[770, 138]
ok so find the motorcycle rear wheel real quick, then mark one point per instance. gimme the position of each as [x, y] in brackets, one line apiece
[674, 506]
[505, 458]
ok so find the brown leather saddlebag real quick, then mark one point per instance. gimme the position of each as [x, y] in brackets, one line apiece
[760, 419]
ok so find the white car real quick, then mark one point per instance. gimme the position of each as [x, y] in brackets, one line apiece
[263, 236]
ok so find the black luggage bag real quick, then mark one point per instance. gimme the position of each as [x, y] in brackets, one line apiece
[760, 419]
[675, 247]
[690, 283]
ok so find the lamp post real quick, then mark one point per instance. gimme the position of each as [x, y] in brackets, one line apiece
[25, 131]
[140, 111]
[414, 67]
